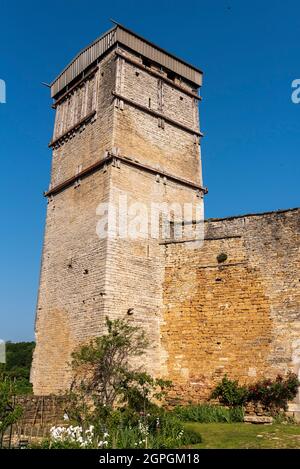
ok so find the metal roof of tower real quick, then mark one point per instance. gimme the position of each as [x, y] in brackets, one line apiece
[123, 36]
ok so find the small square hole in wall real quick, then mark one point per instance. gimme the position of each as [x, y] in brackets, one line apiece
[146, 62]
[171, 75]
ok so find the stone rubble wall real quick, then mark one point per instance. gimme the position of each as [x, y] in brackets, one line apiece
[240, 317]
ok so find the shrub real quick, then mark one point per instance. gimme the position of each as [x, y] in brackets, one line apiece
[117, 399]
[9, 412]
[105, 376]
[206, 413]
[230, 393]
[274, 395]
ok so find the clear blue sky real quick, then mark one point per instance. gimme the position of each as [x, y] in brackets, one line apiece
[249, 52]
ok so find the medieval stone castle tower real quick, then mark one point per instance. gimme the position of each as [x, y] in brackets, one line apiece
[127, 122]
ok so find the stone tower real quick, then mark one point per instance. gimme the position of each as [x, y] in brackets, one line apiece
[126, 129]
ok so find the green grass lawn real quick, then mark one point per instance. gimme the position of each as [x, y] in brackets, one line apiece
[243, 435]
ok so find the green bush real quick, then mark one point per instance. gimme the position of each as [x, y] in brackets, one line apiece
[206, 413]
[17, 366]
[9, 411]
[117, 401]
[274, 395]
[104, 376]
[230, 393]
[111, 404]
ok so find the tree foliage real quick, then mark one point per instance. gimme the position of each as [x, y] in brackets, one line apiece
[18, 364]
[108, 373]
[9, 411]
[230, 393]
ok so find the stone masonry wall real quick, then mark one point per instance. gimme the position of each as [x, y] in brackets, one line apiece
[84, 278]
[135, 266]
[72, 281]
[138, 134]
[88, 145]
[240, 317]
[203, 318]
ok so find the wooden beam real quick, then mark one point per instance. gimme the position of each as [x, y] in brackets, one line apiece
[74, 127]
[157, 114]
[66, 93]
[158, 75]
[130, 162]
[85, 172]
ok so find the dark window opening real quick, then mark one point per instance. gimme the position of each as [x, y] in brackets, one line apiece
[171, 75]
[146, 62]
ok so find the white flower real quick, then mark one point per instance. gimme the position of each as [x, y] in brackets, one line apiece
[66, 417]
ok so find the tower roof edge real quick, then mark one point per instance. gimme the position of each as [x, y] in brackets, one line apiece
[121, 35]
